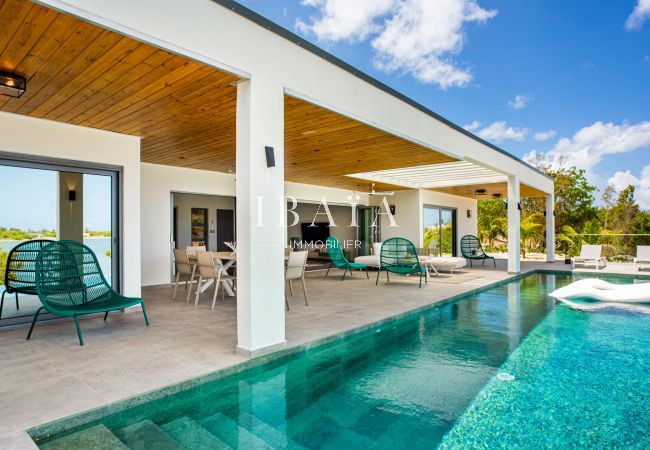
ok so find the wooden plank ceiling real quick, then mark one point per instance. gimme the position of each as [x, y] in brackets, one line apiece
[492, 188]
[82, 74]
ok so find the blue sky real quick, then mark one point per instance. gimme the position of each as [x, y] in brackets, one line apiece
[35, 207]
[556, 77]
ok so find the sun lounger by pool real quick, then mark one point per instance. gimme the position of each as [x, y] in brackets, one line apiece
[590, 254]
[642, 256]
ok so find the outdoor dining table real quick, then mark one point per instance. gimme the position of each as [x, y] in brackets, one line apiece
[226, 260]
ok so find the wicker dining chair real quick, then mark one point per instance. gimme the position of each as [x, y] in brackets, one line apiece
[184, 269]
[208, 269]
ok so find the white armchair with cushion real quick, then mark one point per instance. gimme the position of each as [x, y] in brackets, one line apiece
[590, 254]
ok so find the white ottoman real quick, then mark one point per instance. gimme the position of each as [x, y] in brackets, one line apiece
[368, 260]
[444, 262]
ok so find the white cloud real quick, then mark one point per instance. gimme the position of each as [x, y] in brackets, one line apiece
[621, 180]
[472, 126]
[590, 144]
[344, 19]
[639, 15]
[520, 101]
[498, 131]
[419, 37]
[544, 135]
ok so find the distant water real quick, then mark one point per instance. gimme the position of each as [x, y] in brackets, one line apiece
[97, 245]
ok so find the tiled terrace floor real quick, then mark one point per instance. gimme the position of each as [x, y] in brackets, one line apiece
[51, 376]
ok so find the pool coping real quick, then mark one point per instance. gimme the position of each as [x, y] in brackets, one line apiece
[79, 419]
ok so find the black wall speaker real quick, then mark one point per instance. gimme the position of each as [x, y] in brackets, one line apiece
[270, 157]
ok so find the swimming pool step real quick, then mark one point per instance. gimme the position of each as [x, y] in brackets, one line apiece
[232, 434]
[192, 436]
[268, 433]
[146, 435]
[98, 438]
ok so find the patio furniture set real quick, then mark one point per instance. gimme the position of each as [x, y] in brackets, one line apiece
[196, 264]
[399, 256]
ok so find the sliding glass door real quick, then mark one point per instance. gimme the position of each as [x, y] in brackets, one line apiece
[440, 230]
[56, 201]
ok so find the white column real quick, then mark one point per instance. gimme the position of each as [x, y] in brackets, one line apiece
[550, 228]
[514, 218]
[260, 229]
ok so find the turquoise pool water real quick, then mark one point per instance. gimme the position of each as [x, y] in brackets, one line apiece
[504, 367]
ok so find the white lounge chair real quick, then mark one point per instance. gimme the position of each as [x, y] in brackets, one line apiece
[642, 256]
[590, 254]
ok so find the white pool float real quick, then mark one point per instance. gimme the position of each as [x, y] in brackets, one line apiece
[596, 289]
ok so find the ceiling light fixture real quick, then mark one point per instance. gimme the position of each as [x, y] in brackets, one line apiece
[12, 85]
[480, 192]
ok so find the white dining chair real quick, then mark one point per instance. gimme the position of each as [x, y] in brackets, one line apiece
[296, 271]
[184, 268]
[208, 269]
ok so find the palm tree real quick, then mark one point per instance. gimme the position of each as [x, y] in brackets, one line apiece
[491, 227]
[531, 232]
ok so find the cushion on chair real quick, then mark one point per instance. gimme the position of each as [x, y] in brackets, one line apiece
[368, 260]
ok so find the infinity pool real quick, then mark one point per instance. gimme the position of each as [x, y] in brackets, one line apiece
[503, 367]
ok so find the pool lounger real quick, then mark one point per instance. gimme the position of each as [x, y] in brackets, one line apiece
[602, 290]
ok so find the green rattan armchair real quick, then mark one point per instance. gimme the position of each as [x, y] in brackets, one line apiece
[399, 256]
[70, 283]
[338, 259]
[471, 248]
[21, 267]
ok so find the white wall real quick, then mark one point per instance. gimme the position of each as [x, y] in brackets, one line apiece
[48, 139]
[409, 206]
[158, 182]
[408, 216]
[184, 204]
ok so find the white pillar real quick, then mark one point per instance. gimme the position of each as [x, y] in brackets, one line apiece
[260, 230]
[550, 228]
[514, 218]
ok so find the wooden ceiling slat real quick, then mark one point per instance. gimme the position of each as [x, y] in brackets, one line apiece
[176, 99]
[49, 76]
[59, 31]
[12, 17]
[108, 59]
[158, 65]
[35, 24]
[154, 91]
[216, 109]
[87, 97]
